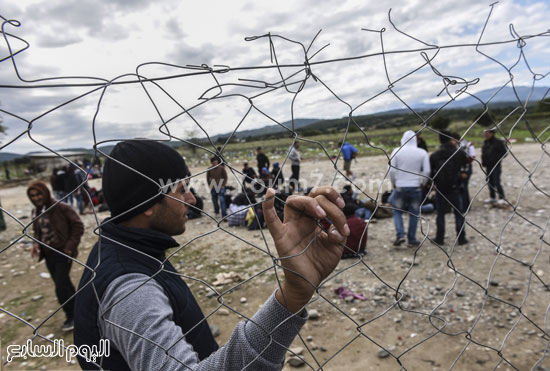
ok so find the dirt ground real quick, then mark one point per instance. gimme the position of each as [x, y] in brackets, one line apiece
[472, 307]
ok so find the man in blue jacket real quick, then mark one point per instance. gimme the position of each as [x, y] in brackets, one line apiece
[131, 295]
[349, 152]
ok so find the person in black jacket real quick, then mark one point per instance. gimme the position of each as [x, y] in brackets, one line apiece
[132, 295]
[446, 164]
[249, 175]
[278, 177]
[492, 152]
[70, 183]
[262, 159]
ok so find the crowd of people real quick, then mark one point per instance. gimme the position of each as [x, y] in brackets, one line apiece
[440, 181]
[146, 221]
[69, 183]
[421, 184]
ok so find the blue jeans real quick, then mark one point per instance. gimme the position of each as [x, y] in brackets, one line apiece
[363, 213]
[427, 208]
[406, 199]
[494, 181]
[79, 202]
[69, 199]
[219, 195]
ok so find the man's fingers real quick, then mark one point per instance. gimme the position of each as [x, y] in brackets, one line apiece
[334, 215]
[271, 218]
[335, 236]
[330, 193]
[307, 205]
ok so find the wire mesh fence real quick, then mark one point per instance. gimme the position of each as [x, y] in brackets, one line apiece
[436, 304]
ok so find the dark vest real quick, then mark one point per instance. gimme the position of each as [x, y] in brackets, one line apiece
[118, 260]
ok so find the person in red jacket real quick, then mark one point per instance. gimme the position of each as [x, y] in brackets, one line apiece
[57, 233]
[357, 240]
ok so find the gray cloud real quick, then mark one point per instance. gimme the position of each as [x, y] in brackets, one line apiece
[56, 24]
[174, 30]
[58, 39]
[67, 22]
[184, 54]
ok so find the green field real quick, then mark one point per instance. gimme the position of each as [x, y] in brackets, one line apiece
[376, 138]
[369, 142]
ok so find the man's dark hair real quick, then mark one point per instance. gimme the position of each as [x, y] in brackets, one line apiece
[347, 187]
[445, 136]
[455, 135]
[215, 158]
[349, 209]
[259, 149]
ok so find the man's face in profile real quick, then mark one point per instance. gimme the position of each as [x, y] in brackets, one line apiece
[170, 214]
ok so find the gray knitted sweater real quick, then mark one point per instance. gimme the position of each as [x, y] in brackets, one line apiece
[141, 328]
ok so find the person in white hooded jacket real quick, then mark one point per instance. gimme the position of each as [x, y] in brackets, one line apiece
[409, 171]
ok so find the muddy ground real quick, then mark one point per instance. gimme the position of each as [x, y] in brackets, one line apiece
[476, 307]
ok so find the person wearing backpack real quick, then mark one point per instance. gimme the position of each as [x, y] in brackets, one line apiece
[349, 152]
[446, 164]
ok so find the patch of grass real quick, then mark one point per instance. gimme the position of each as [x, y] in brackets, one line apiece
[10, 330]
[386, 139]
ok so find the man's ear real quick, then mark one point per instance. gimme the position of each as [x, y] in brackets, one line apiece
[150, 211]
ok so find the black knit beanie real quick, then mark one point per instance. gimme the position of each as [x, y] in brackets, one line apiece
[124, 188]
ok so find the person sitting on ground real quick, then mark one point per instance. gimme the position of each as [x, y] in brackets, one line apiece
[265, 179]
[350, 197]
[237, 215]
[280, 202]
[278, 177]
[249, 174]
[131, 295]
[238, 208]
[357, 240]
[195, 211]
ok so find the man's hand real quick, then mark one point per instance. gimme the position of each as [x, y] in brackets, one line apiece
[35, 250]
[307, 254]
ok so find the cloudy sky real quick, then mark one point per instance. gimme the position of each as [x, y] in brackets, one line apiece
[93, 43]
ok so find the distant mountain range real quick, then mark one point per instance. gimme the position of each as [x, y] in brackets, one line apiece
[505, 97]
[7, 156]
[269, 129]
